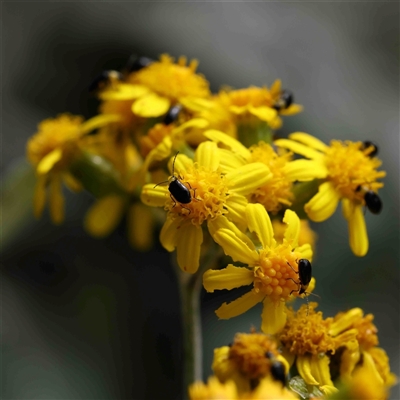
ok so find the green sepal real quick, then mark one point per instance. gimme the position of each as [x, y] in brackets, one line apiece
[303, 192]
[97, 175]
[253, 133]
[305, 391]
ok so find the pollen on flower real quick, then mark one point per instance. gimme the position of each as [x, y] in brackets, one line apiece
[367, 332]
[274, 276]
[171, 80]
[209, 192]
[278, 190]
[307, 333]
[52, 134]
[249, 353]
[350, 168]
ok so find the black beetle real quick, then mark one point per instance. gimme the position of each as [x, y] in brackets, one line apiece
[305, 275]
[136, 63]
[178, 191]
[367, 144]
[105, 78]
[373, 202]
[277, 369]
[285, 100]
[172, 114]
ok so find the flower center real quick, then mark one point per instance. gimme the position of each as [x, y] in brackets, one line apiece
[173, 81]
[277, 191]
[307, 332]
[61, 132]
[252, 354]
[274, 276]
[208, 191]
[351, 168]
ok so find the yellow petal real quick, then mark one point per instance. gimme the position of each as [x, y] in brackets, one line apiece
[182, 163]
[199, 123]
[273, 316]
[196, 104]
[223, 223]
[358, 231]
[305, 170]
[104, 216]
[124, 91]
[227, 141]
[239, 306]
[39, 197]
[349, 360]
[309, 140]
[303, 364]
[299, 148]
[238, 109]
[292, 109]
[235, 247]
[368, 363]
[154, 196]
[169, 233]
[276, 88]
[292, 231]
[48, 161]
[259, 222]
[159, 153]
[72, 183]
[99, 121]
[207, 155]
[249, 177]
[306, 251]
[151, 105]
[56, 201]
[228, 278]
[264, 113]
[140, 227]
[323, 204]
[190, 238]
[236, 205]
[345, 321]
[320, 369]
[229, 161]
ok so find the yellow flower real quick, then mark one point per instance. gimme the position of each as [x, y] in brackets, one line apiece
[255, 103]
[272, 268]
[351, 173]
[213, 390]
[326, 349]
[269, 389]
[277, 192]
[247, 360]
[51, 151]
[212, 195]
[155, 88]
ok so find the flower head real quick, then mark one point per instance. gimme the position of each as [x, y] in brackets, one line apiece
[52, 150]
[272, 268]
[198, 192]
[351, 175]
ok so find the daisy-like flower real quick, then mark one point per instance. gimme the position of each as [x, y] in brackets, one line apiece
[277, 192]
[351, 173]
[214, 198]
[155, 88]
[328, 348]
[267, 389]
[250, 358]
[52, 150]
[272, 268]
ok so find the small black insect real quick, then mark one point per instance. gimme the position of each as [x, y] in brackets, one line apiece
[277, 369]
[367, 144]
[178, 191]
[136, 63]
[305, 275]
[104, 79]
[373, 202]
[285, 100]
[172, 114]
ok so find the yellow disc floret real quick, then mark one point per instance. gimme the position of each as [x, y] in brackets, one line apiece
[209, 192]
[171, 80]
[351, 169]
[277, 191]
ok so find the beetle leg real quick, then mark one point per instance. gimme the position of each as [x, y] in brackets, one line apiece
[172, 198]
[297, 272]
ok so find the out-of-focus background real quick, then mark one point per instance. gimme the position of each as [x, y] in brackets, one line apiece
[92, 319]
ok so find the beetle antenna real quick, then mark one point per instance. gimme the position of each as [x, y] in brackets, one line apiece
[173, 164]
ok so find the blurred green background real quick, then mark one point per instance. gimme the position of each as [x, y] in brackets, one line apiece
[92, 319]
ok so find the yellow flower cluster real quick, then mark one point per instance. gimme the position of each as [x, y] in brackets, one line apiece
[210, 167]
